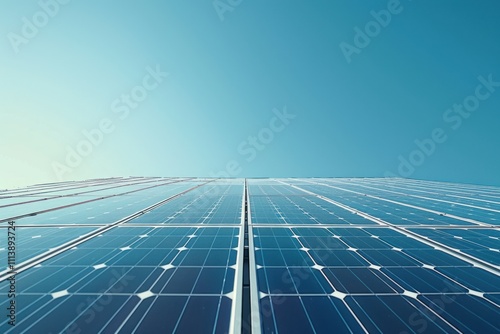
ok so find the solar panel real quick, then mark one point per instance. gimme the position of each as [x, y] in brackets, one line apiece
[381, 279]
[134, 264]
[258, 255]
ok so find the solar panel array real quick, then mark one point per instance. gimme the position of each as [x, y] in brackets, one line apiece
[195, 255]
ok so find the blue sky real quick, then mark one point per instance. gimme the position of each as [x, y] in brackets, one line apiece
[249, 88]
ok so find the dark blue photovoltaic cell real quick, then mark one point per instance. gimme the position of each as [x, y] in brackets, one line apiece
[202, 257]
[338, 258]
[195, 281]
[422, 280]
[323, 242]
[293, 281]
[395, 314]
[469, 314]
[388, 258]
[276, 242]
[435, 257]
[279, 258]
[404, 242]
[490, 256]
[168, 314]
[360, 280]
[211, 314]
[289, 314]
[495, 298]
[474, 278]
[366, 242]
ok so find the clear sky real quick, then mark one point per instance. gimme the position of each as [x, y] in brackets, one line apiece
[249, 88]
